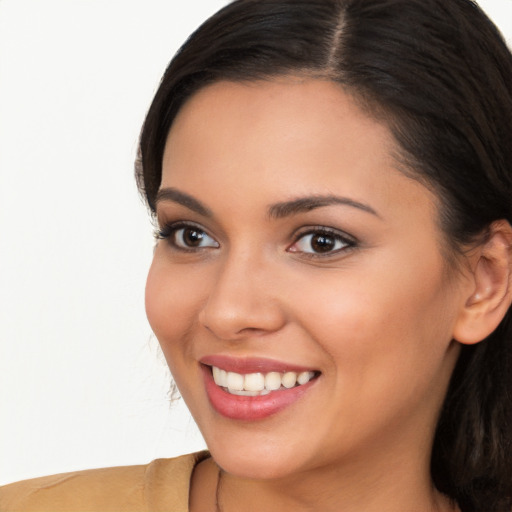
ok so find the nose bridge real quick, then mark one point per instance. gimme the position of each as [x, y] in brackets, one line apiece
[242, 297]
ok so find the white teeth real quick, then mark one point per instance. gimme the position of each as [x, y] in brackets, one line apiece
[223, 378]
[250, 393]
[272, 381]
[289, 379]
[255, 384]
[305, 377]
[235, 381]
[220, 376]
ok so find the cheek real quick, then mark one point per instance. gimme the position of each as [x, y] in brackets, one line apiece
[381, 321]
[171, 306]
[386, 346]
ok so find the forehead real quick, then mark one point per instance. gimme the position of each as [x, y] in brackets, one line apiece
[284, 137]
[291, 106]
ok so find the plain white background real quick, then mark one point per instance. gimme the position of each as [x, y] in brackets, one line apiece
[82, 383]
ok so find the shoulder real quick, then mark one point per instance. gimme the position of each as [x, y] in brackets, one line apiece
[163, 483]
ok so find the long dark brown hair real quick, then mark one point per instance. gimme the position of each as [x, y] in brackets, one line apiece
[439, 73]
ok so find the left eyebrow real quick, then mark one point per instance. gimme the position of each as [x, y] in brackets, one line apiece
[308, 203]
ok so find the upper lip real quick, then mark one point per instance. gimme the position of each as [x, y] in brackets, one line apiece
[244, 365]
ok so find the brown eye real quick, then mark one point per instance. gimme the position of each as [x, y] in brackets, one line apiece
[321, 242]
[186, 237]
[190, 237]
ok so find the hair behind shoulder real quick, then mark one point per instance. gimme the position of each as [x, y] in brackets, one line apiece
[439, 74]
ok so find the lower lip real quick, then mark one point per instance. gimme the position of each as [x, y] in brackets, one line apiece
[251, 408]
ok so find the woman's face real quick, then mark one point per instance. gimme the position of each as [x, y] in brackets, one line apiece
[292, 245]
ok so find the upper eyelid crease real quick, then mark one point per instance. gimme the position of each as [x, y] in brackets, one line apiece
[324, 230]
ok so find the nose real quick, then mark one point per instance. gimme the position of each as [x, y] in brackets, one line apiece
[243, 300]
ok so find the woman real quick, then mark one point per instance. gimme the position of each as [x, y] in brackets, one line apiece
[331, 282]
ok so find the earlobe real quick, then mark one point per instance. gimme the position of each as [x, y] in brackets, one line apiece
[491, 294]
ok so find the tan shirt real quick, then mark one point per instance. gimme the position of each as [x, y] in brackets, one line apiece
[160, 486]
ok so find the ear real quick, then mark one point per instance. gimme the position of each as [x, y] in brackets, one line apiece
[491, 286]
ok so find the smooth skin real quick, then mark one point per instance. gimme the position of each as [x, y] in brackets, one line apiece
[357, 288]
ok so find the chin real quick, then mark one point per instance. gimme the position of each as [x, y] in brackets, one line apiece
[257, 456]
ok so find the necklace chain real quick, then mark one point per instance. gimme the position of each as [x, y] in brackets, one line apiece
[217, 492]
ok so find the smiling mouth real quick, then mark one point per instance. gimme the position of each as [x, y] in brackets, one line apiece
[260, 384]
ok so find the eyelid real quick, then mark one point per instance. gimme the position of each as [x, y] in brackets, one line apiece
[349, 241]
[166, 230]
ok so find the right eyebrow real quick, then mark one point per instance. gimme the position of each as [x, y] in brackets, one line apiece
[176, 196]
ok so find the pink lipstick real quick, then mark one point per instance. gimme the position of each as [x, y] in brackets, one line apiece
[254, 388]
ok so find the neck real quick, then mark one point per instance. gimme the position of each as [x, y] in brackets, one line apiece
[329, 490]
[389, 472]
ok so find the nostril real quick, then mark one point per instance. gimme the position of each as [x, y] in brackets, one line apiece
[235, 319]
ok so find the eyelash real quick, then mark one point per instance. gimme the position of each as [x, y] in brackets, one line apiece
[169, 231]
[347, 241]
